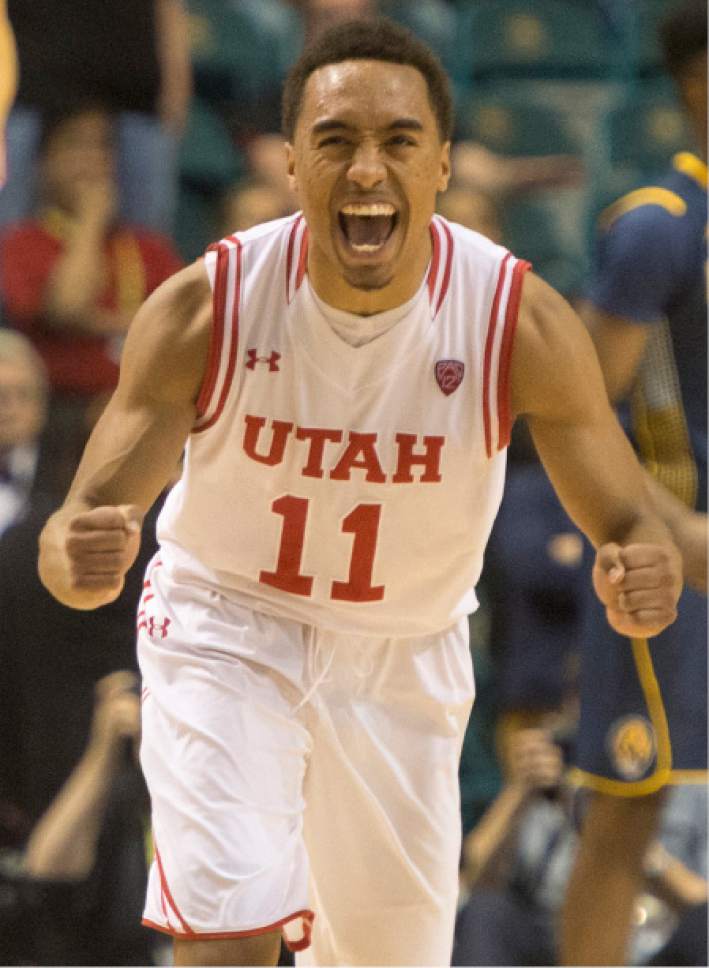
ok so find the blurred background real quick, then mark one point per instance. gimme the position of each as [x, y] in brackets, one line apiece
[144, 130]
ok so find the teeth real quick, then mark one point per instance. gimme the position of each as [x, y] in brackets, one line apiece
[379, 208]
[366, 247]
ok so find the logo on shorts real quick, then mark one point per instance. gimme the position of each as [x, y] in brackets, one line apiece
[449, 375]
[632, 746]
[252, 358]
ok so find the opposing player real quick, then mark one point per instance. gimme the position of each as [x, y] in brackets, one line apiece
[346, 380]
[644, 706]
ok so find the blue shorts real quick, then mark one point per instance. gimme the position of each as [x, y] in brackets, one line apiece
[643, 704]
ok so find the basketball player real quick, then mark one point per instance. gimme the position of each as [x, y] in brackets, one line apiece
[8, 80]
[346, 379]
[644, 707]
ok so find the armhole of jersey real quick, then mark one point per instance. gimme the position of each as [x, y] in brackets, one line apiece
[497, 409]
[225, 277]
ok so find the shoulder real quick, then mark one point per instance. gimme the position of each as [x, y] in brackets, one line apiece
[168, 340]
[644, 219]
[552, 351]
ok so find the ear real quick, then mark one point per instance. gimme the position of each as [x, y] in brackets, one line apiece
[445, 162]
[290, 162]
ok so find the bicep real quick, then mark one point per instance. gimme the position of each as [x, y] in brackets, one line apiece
[558, 386]
[619, 344]
[137, 443]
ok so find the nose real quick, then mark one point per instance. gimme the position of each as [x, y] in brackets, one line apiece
[367, 169]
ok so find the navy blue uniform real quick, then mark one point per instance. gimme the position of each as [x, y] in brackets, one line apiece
[643, 704]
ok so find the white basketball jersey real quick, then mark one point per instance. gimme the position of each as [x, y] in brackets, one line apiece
[353, 488]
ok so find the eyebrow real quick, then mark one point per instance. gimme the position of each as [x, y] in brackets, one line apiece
[332, 124]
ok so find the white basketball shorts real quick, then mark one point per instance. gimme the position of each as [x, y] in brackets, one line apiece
[301, 779]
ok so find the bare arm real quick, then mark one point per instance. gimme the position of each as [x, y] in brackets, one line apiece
[63, 844]
[672, 880]
[620, 344]
[88, 545]
[557, 384]
[535, 764]
[175, 65]
[75, 284]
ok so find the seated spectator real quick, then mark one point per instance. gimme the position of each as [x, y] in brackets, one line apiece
[251, 202]
[132, 56]
[78, 890]
[23, 404]
[72, 277]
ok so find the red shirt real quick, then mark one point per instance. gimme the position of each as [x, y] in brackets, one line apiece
[136, 261]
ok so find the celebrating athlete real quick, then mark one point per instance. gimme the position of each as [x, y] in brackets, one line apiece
[345, 380]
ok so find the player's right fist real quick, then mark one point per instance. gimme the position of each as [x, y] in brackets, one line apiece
[84, 556]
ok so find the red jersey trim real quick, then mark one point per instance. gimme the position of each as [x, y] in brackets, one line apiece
[435, 257]
[216, 336]
[447, 271]
[289, 255]
[299, 945]
[439, 272]
[504, 402]
[487, 360]
[220, 297]
[296, 257]
[167, 895]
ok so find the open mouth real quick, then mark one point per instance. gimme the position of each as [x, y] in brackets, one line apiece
[367, 227]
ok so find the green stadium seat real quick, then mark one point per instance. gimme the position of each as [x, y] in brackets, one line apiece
[543, 39]
[530, 230]
[644, 18]
[645, 130]
[208, 158]
[435, 23]
[512, 125]
[241, 47]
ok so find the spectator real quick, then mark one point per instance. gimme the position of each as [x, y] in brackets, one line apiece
[132, 56]
[516, 861]
[72, 277]
[251, 202]
[23, 393]
[79, 892]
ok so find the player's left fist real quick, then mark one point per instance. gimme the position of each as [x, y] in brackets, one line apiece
[640, 585]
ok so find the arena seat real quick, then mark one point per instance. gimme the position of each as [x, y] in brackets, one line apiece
[546, 39]
[513, 125]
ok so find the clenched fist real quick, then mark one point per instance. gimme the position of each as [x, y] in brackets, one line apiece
[84, 556]
[639, 584]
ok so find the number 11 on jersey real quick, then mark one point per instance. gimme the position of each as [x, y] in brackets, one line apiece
[362, 522]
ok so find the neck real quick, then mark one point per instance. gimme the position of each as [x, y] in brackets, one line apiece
[331, 286]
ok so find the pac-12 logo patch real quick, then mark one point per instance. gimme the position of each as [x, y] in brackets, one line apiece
[632, 746]
[449, 375]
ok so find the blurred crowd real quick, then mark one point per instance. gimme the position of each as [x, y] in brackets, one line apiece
[149, 131]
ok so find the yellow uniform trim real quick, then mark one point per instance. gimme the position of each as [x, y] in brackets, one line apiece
[692, 167]
[656, 710]
[689, 776]
[670, 201]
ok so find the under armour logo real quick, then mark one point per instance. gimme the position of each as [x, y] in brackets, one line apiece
[153, 627]
[271, 361]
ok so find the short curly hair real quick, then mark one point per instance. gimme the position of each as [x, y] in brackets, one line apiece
[379, 39]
